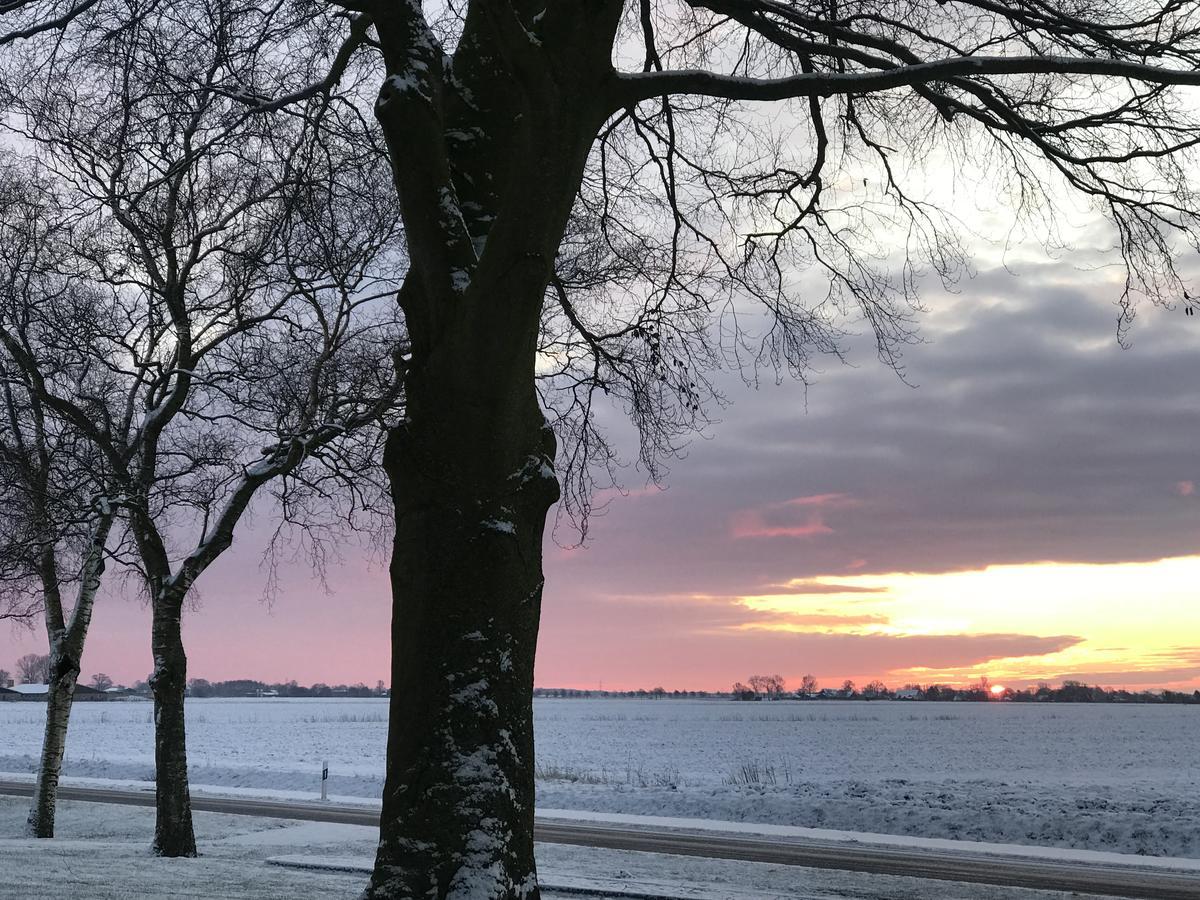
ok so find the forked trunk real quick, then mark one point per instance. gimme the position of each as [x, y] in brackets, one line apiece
[472, 464]
[467, 585]
[173, 833]
[64, 673]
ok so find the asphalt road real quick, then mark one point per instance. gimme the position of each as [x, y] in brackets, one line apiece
[1104, 880]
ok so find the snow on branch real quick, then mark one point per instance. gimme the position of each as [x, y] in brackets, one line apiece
[638, 86]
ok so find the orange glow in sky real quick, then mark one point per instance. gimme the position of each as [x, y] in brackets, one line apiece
[1118, 624]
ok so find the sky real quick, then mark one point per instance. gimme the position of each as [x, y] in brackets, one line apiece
[1024, 505]
[1024, 508]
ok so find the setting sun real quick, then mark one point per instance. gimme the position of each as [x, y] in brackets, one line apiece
[997, 690]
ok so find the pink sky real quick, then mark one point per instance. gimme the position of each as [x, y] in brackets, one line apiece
[1030, 436]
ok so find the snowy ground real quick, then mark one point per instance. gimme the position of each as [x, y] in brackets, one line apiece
[1117, 778]
[101, 854]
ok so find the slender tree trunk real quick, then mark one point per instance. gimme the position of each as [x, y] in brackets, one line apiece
[64, 673]
[467, 585]
[173, 832]
[66, 652]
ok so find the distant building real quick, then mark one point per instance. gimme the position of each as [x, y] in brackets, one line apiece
[125, 693]
[31, 691]
[909, 694]
[83, 692]
[39, 693]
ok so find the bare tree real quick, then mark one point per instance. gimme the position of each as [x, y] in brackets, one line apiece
[776, 686]
[59, 510]
[770, 686]
[101, 682]
[515, 139]
[240, 330]
[33, 668]
[809, 686]
[875, 689]
[5, 678]
[594, 206]
[27, 18]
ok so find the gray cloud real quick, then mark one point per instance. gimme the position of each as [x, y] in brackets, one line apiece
[1135, 678]
[1030, 435]
[676, 644]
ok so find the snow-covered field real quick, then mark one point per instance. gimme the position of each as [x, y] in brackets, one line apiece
[1121, 778]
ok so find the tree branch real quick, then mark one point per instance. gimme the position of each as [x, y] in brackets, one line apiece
[635, 87]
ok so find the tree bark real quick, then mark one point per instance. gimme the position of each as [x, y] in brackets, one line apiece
[488, 152]
[66, 651]
[467, 585]
[173, 832]
[64, 674]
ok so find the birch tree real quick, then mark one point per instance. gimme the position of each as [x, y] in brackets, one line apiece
[66, 624]
[58, 504]
[243, 268]
[597, 196]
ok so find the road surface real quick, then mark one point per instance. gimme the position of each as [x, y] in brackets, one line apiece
[961, 866]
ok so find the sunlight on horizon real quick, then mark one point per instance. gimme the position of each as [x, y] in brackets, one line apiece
[1130, 619]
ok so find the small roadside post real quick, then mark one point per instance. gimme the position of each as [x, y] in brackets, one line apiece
[324, 779]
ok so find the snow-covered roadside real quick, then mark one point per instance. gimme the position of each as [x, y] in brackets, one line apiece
[237, 780]
[1126, 819]
[208, 790]
[983, 848]
[102, 854]
[684, 824]
[1128, 833]
[1116, 818]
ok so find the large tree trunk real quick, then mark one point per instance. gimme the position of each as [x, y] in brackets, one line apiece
[64, 673]
[173, 833]
[471, 507]
[487, 160]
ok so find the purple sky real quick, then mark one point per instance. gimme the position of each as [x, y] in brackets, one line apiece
[1023, 434]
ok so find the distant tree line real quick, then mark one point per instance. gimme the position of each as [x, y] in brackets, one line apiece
[1067, 692]
[655, 693]
[248, 687]
[33, 668]
[760, 688]
[774, 687]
